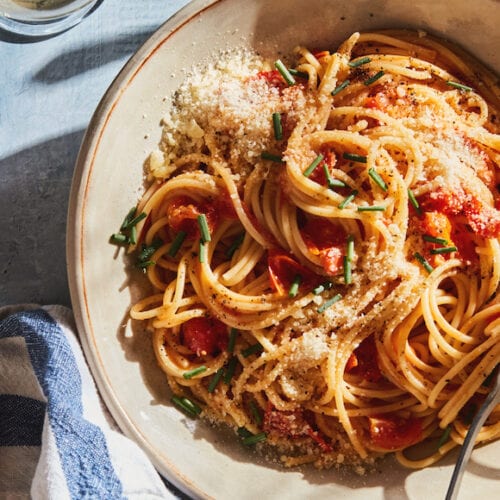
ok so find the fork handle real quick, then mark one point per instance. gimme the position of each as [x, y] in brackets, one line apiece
[490, 402]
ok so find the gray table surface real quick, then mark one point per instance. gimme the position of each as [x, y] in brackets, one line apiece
[48, 91]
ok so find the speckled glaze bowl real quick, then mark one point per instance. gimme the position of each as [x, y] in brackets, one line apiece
[203, 461]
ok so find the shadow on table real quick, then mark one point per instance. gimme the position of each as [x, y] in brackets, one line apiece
[91, 56]
[34, 196]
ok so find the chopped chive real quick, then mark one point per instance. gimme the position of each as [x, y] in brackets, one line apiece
[195, 371]
[136, 220]
[328, 176]
[340, 87]
[331, 182]
[235, 245]
[215, 380]
[347, 271]
[336, 183]
[294, 288]
[186, 405]
[130, 215]
[269, 156]
[133, 222]
[132, 238]
[118, 238]
[277, 126]
[244, 432]
[414, 202]
[348, 199]
[254, 439]
[359, 62]
[459, 86]
[377, 179]
[437, 251]
[230, 368]
[424, 262]
[354, 157]
[204, 229]
[300, 74]
[253, 349]
[433, 239]
[371, 208]
[327, 285]
[350, 247]
[257, 417]
[232, 340]
[287, 76]
[374, 78]
[329, 303]
[148, 250]
[177, 243]
[310, 169]
[444, 437]
[202, 255]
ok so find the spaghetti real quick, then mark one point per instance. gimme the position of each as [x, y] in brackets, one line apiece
[323, 243]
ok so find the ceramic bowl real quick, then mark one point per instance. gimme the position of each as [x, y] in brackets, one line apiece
[203, 461]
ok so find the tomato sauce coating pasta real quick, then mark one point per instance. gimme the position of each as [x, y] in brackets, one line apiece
[322, 239]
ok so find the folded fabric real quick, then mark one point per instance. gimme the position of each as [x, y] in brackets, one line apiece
[56, 439]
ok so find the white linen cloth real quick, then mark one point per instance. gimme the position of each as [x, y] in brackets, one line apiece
[56, 439]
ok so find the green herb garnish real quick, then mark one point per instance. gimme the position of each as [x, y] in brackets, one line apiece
[285, 73]
[215, 380]
[340, 87]
[354, 157]
[438, 251]
[187, 406]
[235, 245]
[271, 157]
[433, 239]
[328, 303]
[374, 78]
[202, 255]
[176, 243]
[204, 229]
[414, 202]
[254, 439]
[294, 288]
[310, 169]
[348, 199]
[371, 208]
[232, 340]
[277, 126]
[424, 262]
[253, 349]
[459, 86]
[230, 368]
[377, 179]
[359, 62]
[195, 371]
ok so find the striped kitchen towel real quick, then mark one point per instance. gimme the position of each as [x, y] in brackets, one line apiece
[56, 439]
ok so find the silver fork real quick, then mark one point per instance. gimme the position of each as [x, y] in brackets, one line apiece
[490, 402]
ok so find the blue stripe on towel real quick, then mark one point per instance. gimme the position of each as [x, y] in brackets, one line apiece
[82, 447]
[22, 420]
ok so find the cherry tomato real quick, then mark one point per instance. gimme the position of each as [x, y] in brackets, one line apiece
[204, 335]
[391, 432]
